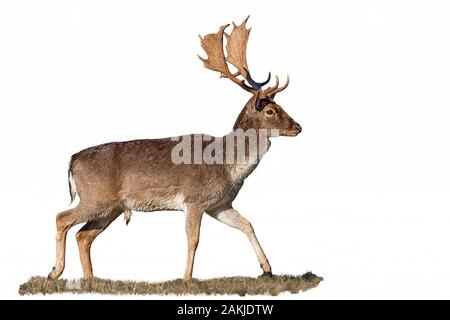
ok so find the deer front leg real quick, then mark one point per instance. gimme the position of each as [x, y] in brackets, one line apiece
[232, 218]
[193, 222]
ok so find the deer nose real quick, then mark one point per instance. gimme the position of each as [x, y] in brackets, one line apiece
[298, 127]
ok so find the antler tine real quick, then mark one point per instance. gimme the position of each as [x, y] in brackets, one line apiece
[282, 88]
[213, 45]
[272, 91]
[257, 85]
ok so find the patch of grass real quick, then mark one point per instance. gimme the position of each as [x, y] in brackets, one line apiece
[231, 285]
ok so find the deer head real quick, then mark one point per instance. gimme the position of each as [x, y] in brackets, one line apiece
[261, 111]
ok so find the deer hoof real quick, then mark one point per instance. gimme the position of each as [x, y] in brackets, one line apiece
[54, 274]
[266, 274]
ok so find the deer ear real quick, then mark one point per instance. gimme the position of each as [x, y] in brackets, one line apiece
[258, 102]
[262, 103]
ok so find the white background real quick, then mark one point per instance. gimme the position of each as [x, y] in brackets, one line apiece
[361, 197]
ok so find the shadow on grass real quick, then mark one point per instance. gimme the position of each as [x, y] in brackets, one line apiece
[219, 286]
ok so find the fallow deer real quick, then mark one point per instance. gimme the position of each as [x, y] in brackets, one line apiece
[140, 175]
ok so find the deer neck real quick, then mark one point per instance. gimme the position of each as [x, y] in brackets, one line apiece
[247, 146]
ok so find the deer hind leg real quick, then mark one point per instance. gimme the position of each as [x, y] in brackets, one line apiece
[193, 222]
[233, 219]
[87, 234]
[64, 221]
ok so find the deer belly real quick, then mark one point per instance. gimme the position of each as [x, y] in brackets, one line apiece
[155, 203]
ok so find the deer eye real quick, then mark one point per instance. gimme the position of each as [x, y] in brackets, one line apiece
[270, 112]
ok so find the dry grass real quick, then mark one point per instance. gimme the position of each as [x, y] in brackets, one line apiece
[232, 285]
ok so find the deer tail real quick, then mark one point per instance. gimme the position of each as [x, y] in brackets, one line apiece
[72, 186]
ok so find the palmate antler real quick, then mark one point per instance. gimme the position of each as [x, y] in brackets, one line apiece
[213, 45]
[236, 48]
[237, 52]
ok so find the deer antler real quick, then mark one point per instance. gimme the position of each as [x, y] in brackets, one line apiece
[213, 45]
[237, 52]
[236, 49]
